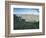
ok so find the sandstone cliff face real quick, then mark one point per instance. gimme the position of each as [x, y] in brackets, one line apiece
[29, 17]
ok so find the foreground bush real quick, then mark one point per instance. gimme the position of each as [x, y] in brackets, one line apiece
[22, 24]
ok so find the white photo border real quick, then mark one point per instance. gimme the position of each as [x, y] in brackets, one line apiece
[26, 31]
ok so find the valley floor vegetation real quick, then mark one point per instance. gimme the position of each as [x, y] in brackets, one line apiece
[20, 24]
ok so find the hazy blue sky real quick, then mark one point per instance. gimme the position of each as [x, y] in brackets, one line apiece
[26, 11]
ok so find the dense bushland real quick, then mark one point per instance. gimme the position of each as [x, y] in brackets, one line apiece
[22, 24]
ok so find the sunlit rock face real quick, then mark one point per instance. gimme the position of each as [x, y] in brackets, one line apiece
[29, 17]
